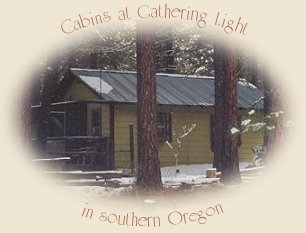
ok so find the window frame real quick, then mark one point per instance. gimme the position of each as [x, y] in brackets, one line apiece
[55, 115]
[93, 125]
[167, 126]
[163, 136]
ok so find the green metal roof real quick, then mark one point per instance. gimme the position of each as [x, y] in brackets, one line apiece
[172, 89]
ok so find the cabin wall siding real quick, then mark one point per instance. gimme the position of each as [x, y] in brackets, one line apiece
[250, 139]
[195, 148]
[124, 115]
[79, 91]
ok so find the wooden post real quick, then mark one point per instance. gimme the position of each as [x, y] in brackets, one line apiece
[111, 156]
[132, 157]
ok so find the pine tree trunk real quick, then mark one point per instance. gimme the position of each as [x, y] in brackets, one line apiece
[226, 144]
[148, 172]
[218, 115]
[272, 103]
[46, 99]
[170, 67]
[268, 100]
[71, 61]
[230, 162]
[26, 115]
[93, 61]
[254, 73]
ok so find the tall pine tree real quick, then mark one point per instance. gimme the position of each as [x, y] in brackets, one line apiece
[225, 117]
[49, 81]
[148, 172]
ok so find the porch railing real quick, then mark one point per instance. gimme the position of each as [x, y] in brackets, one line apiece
[85, 152]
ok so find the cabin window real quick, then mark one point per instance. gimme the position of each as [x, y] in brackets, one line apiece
[57, 127]
[96, 122]
[212, 132]
[164, 127]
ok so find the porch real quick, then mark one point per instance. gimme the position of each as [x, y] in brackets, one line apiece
[77, 136]
[84, 152]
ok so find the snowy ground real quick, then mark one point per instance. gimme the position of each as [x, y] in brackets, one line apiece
[189, 176]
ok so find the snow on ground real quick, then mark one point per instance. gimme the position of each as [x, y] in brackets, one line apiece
[88, 189]
[193, 174]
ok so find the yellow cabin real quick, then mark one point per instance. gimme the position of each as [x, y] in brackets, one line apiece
[99, 108]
